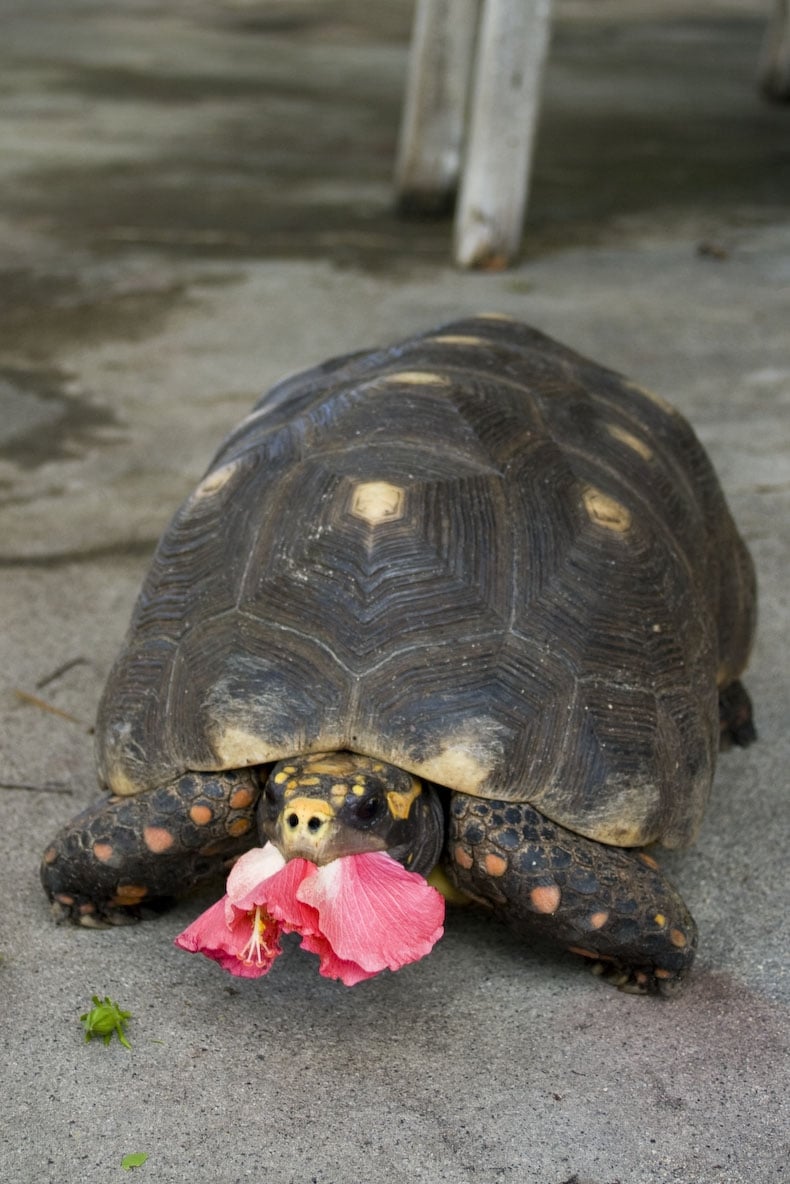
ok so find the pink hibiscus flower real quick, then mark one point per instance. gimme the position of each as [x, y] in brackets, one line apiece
[361, 914]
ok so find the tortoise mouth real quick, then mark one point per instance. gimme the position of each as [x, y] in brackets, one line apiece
[323, 807]
[309, 828]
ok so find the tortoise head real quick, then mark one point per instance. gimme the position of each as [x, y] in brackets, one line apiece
[325, 805]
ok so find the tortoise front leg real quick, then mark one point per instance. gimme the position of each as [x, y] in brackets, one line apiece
[609, 904]
[123, 853]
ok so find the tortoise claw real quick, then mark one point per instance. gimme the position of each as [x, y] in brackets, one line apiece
[648, 980]
[70, 910]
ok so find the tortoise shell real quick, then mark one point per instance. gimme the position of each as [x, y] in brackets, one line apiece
[475, 555]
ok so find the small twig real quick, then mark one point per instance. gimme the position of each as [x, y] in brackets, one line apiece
[48, 787]
[42, 704]
[62, 669]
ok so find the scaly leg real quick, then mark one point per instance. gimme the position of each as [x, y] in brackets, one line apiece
[126, 852]
[609, 904]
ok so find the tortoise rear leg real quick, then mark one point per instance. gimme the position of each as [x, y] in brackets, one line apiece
[736, 720]
[608, 904]
[126, 853]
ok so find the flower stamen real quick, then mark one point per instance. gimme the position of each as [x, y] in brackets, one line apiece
[258, 951]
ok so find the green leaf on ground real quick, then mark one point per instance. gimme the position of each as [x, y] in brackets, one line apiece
[135, 1160]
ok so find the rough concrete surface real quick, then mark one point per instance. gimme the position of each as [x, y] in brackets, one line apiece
[195, 198]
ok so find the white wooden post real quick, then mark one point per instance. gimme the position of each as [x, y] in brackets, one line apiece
[513, 42]
[774, 69]
[434, 112]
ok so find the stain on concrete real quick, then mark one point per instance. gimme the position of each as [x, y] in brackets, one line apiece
[40, 420]
[54, 560]
[126, 84]
[298, 162]
[44, 311]
[314, 20]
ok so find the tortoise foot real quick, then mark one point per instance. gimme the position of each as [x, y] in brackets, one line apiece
[123, 859]
[610, 905]
[72, 910]
[641, 980]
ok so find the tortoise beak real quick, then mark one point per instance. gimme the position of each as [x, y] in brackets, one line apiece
[303, 829]
[308, 828]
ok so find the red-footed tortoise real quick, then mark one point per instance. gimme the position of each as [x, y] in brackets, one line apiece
[471, 598]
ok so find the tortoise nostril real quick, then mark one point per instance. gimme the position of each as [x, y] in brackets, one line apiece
[294, 821]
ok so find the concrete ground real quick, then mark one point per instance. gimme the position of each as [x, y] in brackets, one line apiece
[195, 198]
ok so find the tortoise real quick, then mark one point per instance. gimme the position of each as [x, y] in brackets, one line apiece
[472, 599]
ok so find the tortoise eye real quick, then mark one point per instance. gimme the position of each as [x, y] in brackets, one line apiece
[368, 809]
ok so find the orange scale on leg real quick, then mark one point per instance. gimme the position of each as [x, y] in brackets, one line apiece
[201, 815]
[495, 865]
[158, 839]
[545, 898]
[239, 826]
[463, 857]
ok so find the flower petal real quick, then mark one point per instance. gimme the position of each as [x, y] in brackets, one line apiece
[212, 935]
[208, 931]
[349, 973]
[251, 868]
[278, 895]
[373, 912]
